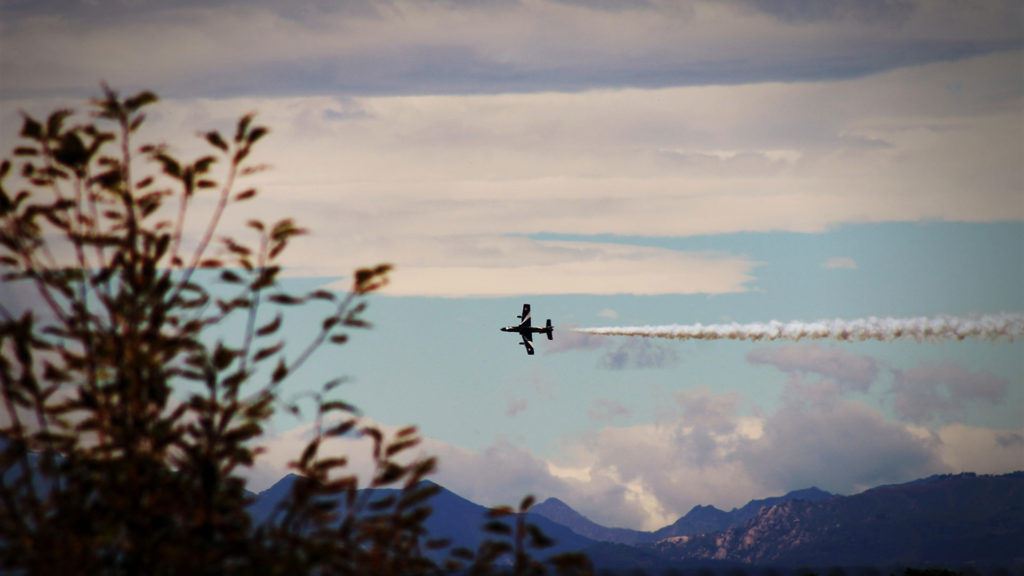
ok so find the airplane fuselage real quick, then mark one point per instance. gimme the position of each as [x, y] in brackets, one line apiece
[526, 330]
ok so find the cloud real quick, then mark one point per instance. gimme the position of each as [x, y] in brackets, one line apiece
[604, 409]
[704, 448]
[839, 263]
[891, 12]
[976, 449]
[838, 445]
[608, 313]
[942, 392]
[450, 188]
[635, 353]
[574, 268]
[383, 47]
[853, 372]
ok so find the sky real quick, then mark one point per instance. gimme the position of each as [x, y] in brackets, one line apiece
[613, 163]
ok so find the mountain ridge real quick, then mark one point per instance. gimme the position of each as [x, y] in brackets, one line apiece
[962, 520]
[699, 520]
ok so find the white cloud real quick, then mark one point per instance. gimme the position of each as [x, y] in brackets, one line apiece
[701, 450]
[571, 268]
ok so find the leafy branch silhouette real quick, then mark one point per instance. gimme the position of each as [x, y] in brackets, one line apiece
[127, 416]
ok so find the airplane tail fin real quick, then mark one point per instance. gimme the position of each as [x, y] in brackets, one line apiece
[550, 330]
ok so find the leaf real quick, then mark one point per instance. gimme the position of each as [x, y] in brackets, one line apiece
[309, 452]
[139, 100]
[171, 166]
[243, 127]
[497, 527]
[271, 327]
[137, 122]
[72, 153]
[382, 503]
[333, 384]
[31, 128]
[391, 473]
[247, 194]
[500, 511]
[215, 140]
[255, 134]
[264, 353]
[538, 537]
[340, 429]
[413, 497]
[280, 373]
[222, 357]
[56, 121]
[230, 276]
[202, 166]
[322, 295]
[285, 299]
[337, 405]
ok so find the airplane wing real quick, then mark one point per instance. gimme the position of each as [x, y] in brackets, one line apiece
[528, 343]
[525, 318]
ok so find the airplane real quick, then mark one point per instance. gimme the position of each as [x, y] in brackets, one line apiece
[526, 330]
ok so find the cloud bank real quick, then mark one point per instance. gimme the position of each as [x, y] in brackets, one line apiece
[647, 476]
[374, 47]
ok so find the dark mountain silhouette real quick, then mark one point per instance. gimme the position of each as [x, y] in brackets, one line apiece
[453, 517]
[561, 513]
[961, 520]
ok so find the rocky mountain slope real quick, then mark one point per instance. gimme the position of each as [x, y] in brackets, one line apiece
[944, 520]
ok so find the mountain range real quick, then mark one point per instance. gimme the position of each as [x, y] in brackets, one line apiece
[965, 520]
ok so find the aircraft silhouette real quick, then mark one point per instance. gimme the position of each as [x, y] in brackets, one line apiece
[526, 330]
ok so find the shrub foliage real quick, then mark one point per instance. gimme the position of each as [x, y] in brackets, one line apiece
[129, 412]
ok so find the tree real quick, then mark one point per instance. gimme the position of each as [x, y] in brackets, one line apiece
[125, 425]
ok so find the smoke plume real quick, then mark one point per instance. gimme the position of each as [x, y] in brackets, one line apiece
[990, 327]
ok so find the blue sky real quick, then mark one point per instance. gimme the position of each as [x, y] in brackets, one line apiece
[615, 163]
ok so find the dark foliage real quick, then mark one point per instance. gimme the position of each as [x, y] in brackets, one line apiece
[126, 423]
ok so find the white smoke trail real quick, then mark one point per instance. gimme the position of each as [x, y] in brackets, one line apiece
[992, 327]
